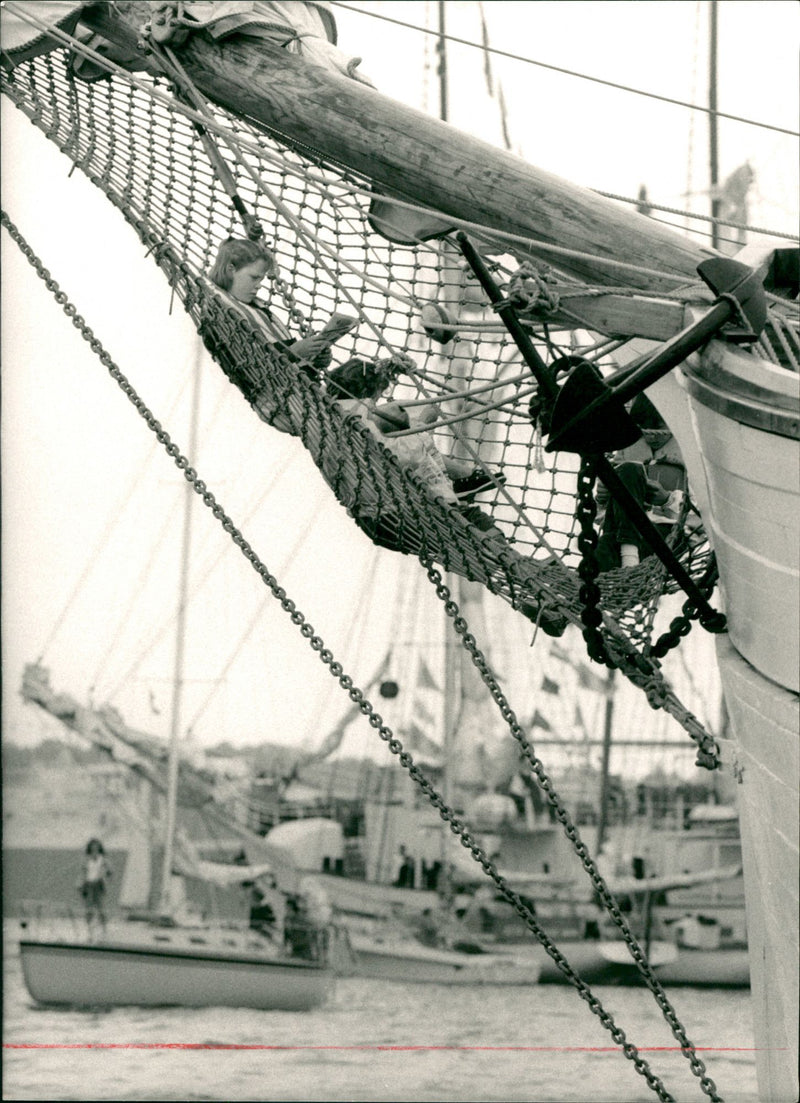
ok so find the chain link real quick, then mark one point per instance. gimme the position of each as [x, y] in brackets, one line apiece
[580, 848]
[641, 670]
[525, 910]
[589, 569]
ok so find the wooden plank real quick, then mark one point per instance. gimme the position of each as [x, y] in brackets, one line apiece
[413, 156]
[621, 315]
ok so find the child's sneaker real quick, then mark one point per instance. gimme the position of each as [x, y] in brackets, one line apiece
[478, 481]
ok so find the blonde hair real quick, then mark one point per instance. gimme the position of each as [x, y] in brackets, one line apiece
[235, 253]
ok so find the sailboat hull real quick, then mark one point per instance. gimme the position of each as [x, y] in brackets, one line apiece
[722, 968]
[119, 974]
[409, 962]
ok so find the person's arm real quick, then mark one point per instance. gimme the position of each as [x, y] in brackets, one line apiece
[317, 345]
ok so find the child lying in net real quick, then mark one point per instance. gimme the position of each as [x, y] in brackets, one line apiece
[239, 270]
[240, 267]
[357, 386]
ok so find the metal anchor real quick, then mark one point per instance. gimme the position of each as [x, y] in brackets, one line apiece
[589, 415]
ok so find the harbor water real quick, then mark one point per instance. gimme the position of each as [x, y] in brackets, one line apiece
[377, 1041]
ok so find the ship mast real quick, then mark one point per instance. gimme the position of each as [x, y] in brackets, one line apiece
[451, 687]
[179, 654]
[713, 149]
[602, 821]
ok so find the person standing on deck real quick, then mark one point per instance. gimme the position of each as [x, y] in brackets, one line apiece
[96, 872]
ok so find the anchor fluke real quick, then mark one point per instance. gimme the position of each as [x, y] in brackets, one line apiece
[580, 425]
[611, 428]
[726, 277]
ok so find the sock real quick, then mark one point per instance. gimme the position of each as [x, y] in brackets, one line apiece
[629, 555]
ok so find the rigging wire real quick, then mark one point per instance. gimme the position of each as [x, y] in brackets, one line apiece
[114, 518]
[699, 217]
[203, 574]
[570, 72]
[250, 628]
[124, 619]
[367, 596]
[365, 190]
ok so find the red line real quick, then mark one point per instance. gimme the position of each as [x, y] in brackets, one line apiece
[371, 1049]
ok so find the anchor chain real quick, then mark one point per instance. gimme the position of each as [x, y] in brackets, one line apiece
[601, 888]
[642, 670]
[588, 569]
[356, 695]
[681, 626]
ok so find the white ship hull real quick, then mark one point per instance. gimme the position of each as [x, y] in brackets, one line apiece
[746, 453]
[141, 975]
[763, 755]
[396, 959]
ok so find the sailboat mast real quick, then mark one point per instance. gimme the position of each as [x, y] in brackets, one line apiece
[442, 51]
[602, 819]
[180, 647]
[713, 150]
[451, 688]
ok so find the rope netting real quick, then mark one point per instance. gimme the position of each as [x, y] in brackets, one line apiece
[138, 143]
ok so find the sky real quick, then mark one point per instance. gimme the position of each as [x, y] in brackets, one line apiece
[92, 509]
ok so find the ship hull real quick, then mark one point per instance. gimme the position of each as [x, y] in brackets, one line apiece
[744, 413]
[127, 974]
[762, 754]
[408, 962]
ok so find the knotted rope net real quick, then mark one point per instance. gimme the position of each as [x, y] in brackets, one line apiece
[135, 140]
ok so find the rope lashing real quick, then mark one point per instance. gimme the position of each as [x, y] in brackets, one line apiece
[531, 289]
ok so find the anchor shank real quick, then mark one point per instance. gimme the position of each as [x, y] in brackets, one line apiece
[544, 377]
[675, 351]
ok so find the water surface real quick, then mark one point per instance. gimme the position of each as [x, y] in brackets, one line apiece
[377, 1041]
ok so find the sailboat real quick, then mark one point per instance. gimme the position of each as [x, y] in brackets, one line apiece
[734, 410]
[167, 955]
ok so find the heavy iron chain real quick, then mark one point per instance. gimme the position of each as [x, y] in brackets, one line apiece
[642, 670]
[588, 569]
[524, 910]
[601, 888]
[681, 626]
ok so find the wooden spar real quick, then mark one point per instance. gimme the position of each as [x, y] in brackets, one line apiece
[417, 158]
[631, 315]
